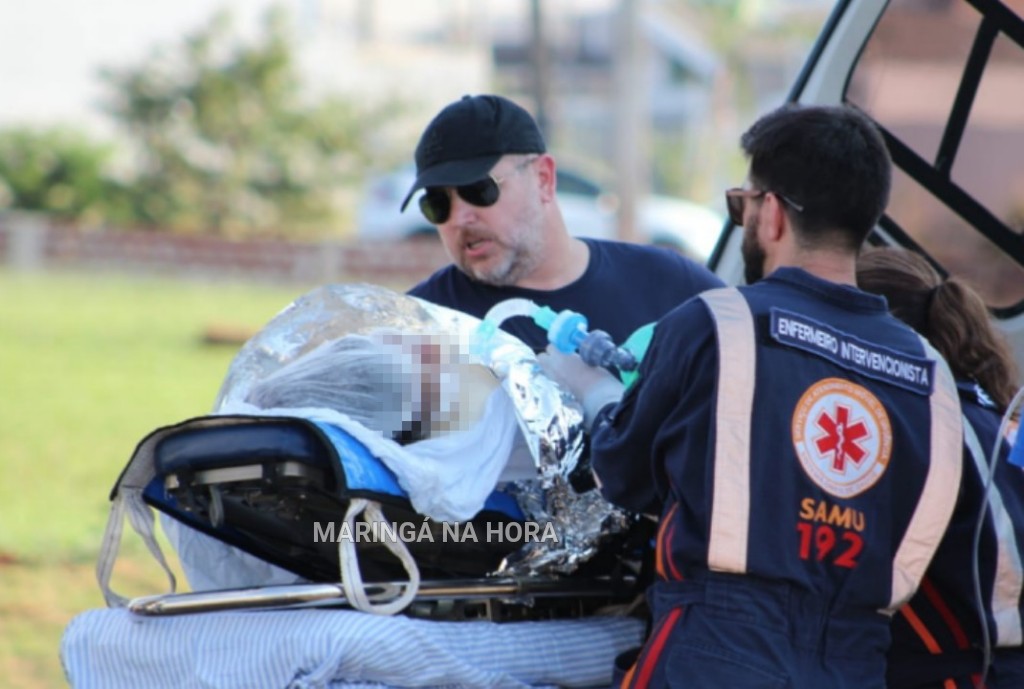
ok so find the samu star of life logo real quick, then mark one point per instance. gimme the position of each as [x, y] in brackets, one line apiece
[842, 436]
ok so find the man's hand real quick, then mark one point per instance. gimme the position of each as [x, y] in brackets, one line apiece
[594, 387]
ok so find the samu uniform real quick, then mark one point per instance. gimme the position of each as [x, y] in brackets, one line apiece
[805, 457]
[937, 636]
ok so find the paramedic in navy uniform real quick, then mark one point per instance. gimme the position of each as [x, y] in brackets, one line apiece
[937, 640]
[490, 190]
[803, 446]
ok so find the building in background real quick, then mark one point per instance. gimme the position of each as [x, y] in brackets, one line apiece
[643, 96]
[561, 60]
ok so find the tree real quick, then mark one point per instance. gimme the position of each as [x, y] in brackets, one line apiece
[226, 141]
[58, 171]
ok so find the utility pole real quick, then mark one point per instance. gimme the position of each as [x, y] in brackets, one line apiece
[365, 22]
[631, 112]
[540, 67]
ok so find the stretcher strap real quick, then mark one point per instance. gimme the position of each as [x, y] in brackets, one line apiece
[348, 559]
[128, 501]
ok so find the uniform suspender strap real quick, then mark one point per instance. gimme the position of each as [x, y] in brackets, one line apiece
[730, 506]
[941, 487]
[1009, 578]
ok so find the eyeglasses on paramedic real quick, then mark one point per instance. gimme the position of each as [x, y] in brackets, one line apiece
[736, 199]
[436, 202]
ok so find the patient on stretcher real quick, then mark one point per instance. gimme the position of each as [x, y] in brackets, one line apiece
[454, 422]
[441, 423]
[407, 386]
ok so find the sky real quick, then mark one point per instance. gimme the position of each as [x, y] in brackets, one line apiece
[51, 50]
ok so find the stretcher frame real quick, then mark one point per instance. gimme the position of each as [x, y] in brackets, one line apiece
[488, 592]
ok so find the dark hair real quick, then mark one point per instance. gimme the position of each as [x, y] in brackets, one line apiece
[832, 161]
[949, 313]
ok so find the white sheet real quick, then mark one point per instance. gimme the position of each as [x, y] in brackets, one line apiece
[335, 649]
[448, 477]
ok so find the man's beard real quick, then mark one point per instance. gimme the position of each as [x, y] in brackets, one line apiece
[521, 252]
[514, 264]
[753, 256]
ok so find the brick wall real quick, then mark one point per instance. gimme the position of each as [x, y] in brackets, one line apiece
[30, 242]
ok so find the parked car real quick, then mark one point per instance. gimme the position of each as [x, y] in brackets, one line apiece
[588, 209]
[941, 80]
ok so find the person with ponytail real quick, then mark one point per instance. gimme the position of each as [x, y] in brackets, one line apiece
[963, 628]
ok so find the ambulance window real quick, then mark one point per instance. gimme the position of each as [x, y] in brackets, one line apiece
[920, 58]
[956, 246]
[990, 163]
[907, 83]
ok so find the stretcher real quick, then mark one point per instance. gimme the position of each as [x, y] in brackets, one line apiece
[276, 488]
[355, 586]
[260, 484]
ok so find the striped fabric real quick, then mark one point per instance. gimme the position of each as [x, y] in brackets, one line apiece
[302, 649]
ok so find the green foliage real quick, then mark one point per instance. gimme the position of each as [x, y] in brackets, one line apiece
[227, 141]
[57, 171]
[230, 143]
[221, 137]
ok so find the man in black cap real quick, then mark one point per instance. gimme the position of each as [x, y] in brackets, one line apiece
[489, 187]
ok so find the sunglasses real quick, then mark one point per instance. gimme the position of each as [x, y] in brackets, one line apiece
[436, 202]
[736, 200]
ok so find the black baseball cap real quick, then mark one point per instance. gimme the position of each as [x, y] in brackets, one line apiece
[465, 140]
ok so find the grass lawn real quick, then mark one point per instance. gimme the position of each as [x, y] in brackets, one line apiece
[89, 364]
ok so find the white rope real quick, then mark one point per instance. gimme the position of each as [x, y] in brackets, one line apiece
[348, 560]
[127, 501]
[108, 553]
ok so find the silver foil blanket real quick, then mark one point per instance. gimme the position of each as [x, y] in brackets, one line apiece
[549, 418]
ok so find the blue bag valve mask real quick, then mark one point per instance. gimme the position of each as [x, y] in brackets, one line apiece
[568, 332]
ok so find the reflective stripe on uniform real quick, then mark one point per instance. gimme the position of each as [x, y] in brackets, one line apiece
[1009, 577]
[941, 487]
[737, 356]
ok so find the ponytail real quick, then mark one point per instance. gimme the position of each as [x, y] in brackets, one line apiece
[960, 327]
[948, 313]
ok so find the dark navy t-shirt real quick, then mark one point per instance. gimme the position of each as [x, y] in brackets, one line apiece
[625, 287]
